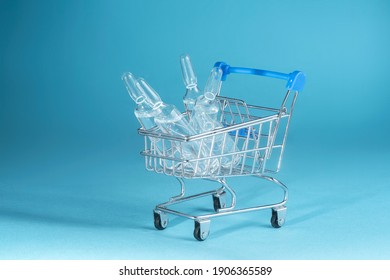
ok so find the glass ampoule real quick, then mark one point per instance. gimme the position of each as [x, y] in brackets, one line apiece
[191, 83]
[205, 118]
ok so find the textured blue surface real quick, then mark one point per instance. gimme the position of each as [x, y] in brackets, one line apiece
[72, 182]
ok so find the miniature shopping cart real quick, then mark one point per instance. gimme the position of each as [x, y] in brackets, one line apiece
[259, 134]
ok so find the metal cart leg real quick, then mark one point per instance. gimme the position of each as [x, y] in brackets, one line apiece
[221, 207]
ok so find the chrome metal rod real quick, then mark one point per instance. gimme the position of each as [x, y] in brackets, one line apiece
[228, 210]
[183, 199]
[182, 190]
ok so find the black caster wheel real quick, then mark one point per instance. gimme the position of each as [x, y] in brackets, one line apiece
[202, 230]
[278, 216]
[160, 220]
[219, 201]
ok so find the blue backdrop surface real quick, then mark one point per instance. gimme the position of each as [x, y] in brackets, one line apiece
[72, 182]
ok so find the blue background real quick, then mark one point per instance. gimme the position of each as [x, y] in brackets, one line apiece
[72, 182]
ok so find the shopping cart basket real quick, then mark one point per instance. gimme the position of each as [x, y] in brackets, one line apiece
[259, 134]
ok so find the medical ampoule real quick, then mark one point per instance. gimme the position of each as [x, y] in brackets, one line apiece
[205, 118]
[191, 83]
[144, 111]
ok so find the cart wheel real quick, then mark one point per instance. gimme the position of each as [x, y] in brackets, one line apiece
[219, 201]
[202, 230]
[160, 220]
[278, 216]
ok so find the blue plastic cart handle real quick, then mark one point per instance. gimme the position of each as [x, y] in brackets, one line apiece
[295, 80]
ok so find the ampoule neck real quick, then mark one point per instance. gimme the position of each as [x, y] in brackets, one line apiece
[193, 86]
[150, 96]
[158, 105]
[143, 105]
[204, 101]
[209, 95]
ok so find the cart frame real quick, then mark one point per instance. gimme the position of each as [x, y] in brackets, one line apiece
[259, 134]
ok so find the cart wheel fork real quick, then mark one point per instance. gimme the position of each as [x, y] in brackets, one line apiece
[219, 201]
[202, 229]
[278, 216]
[160, 219]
